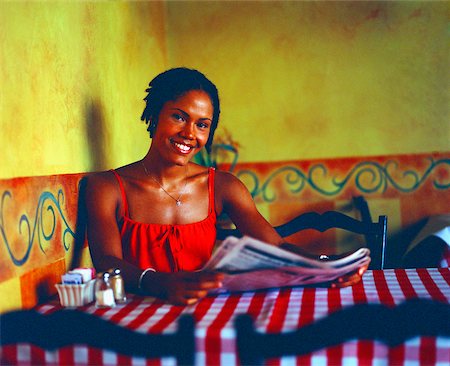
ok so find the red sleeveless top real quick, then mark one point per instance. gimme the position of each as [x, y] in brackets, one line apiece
[167, 247]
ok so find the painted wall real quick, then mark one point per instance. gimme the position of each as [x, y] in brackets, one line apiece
[301, 80]
[73, 75]
[298, 80]
[321, 87]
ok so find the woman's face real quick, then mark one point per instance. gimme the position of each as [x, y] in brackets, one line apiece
[183, 127]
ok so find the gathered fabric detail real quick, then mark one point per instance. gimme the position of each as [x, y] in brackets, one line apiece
[166, 247]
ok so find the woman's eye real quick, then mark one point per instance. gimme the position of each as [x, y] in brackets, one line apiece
[203, 125]
[179, 117]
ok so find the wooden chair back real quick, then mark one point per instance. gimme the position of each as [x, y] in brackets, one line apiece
[374, 232]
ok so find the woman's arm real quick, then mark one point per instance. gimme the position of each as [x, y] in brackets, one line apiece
[103, 203]
[235, 199]
[104, 207]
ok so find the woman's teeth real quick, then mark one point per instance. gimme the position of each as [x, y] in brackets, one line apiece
[182, 147]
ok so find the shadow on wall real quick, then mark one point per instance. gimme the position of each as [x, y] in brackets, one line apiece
[96, 135]
[80, 241]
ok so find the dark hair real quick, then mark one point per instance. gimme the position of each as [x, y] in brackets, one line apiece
[172, 84]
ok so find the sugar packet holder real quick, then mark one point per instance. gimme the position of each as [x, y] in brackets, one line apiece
[76, 295]
[77, 288]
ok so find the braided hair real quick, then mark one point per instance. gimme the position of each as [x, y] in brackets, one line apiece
[172, 84]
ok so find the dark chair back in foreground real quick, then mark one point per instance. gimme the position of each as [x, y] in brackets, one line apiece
[391, 326]
[68, 327]
[373, 232]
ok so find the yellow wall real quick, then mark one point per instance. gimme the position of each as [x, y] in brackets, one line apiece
[302, 80]
[298, 80]
[72, 76]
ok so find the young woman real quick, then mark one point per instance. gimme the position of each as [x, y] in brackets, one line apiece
[155, 218]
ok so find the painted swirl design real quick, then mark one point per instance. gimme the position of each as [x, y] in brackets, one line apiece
[367, 176]
[48, 205]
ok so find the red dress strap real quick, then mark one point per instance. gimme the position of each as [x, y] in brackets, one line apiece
[211, 173]
[122, 191]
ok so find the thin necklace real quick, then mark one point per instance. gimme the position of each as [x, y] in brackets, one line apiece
[177, 200]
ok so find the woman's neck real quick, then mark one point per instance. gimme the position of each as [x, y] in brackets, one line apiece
[163, 172]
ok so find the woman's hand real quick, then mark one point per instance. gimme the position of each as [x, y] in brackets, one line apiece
[350, 279]
[344, 281]
[181, 288]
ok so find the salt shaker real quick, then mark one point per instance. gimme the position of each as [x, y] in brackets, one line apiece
[104, 294]
[118, 285]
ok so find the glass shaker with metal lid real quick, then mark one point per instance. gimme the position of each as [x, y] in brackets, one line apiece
[104, 294]
[117, 285]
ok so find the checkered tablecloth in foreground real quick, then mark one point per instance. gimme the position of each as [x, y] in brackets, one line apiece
[281, 310]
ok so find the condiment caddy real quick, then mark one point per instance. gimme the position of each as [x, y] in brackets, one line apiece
[77, 287]
[80, 287]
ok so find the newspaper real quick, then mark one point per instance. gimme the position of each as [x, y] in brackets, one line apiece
[250, 264]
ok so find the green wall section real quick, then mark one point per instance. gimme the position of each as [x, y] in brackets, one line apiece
[298, 80]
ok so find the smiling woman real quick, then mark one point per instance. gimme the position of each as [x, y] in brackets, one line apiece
[155, 218]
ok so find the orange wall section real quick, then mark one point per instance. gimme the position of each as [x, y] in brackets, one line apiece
[42, 220]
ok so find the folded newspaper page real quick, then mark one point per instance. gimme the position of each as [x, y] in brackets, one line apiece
[250, 264]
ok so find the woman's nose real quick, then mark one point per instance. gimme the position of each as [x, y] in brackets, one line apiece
[188, 131]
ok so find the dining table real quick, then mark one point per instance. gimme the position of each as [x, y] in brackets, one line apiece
[274, 311]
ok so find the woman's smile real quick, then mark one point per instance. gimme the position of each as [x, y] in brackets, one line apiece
[182, 147]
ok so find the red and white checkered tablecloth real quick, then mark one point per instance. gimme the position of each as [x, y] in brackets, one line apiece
[280, 310]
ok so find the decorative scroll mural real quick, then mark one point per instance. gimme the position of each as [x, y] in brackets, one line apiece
[366, 176]
[49, 208]
[48, 228]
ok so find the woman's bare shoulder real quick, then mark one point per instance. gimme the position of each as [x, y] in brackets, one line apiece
[227, 180]
[198, 172]
[197, 168]
[101, 183]
[229, 189]
[103, 177]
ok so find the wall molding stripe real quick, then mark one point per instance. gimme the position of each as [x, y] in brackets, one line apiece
[367, 176]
